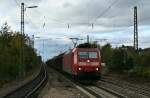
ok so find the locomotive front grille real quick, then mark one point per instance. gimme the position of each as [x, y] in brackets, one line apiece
[82, 63]
[88, 63]
[94, 63]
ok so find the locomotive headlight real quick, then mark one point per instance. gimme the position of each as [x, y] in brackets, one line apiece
[79, 68]
[97, 69]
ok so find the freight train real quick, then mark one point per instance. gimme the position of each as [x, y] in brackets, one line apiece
[80, 63]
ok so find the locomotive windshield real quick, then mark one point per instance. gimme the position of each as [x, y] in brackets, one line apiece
[87, 55]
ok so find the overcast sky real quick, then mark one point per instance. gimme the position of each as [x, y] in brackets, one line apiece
[111, 19]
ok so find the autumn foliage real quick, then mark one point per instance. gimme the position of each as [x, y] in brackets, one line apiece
[16, 56]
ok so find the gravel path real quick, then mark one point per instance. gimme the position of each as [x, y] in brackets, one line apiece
[60, 87]
[9, 87]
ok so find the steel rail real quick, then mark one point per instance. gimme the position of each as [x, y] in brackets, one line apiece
[29, 88]
[39, 85]
[140, 90]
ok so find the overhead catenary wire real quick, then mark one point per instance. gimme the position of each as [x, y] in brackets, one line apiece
[139, 21]
[92, 24]
[101, 14]
[63, 22]
[105, 11]
[34, 24]
[145, 19]
[17, 3]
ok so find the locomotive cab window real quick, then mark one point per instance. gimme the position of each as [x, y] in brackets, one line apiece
[92, 55]
[87, 54]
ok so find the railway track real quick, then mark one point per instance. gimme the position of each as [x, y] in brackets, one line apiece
[92, 90]
[100, 92]
[30, 89]
[128, 89]
[123, 83]
[106, 88]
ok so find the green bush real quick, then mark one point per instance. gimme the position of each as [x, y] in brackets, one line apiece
[140, 72]
[127, 60]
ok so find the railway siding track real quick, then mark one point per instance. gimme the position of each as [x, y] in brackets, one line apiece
[113, 89]
[140, 89]
[28, 90]
[125, 88]
[102, 93]
[119, 95]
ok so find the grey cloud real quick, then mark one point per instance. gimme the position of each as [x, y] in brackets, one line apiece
[80, 15]
[67, 4]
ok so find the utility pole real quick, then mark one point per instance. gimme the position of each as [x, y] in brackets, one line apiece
[43, 51]
[22, 72]
[23, 8]
[135, 29]
[88, 41]
[22, 18]
[32, 42]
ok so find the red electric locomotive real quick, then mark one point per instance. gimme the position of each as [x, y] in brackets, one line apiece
[82, 62]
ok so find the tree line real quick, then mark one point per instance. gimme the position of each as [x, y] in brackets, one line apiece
[127, 60]
[17, 57]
